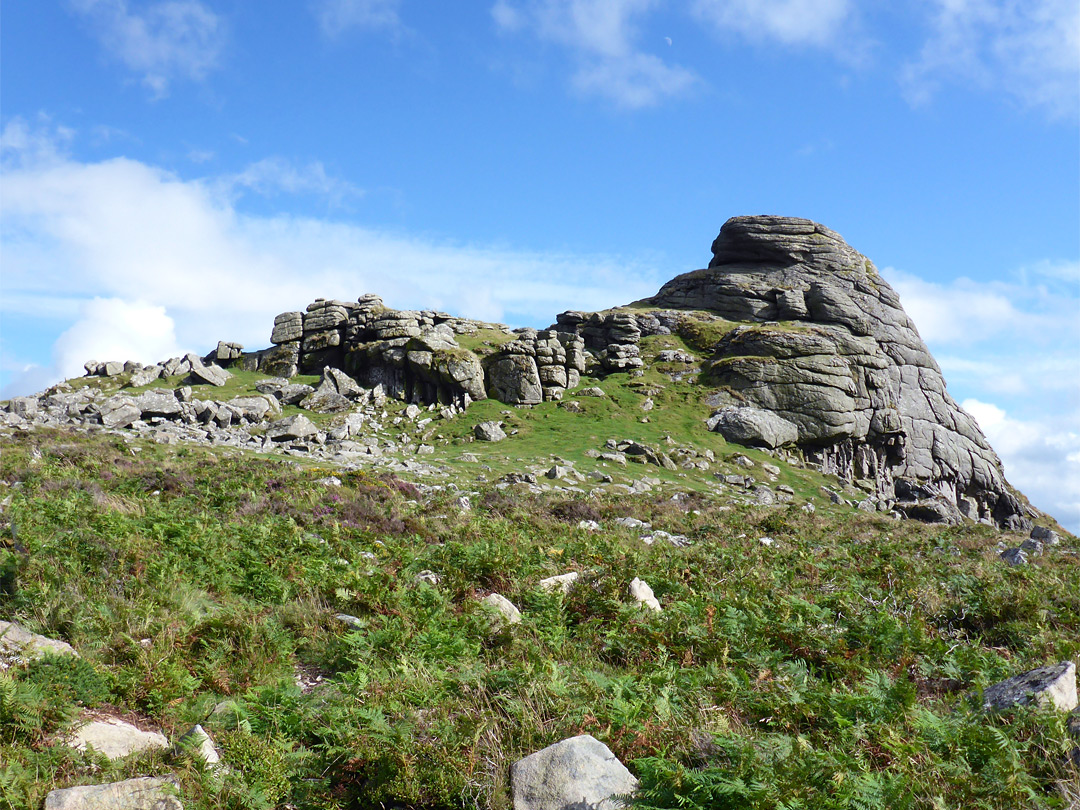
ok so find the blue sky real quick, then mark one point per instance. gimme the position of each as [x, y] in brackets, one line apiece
[177, 172]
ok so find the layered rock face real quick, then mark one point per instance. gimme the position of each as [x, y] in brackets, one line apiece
[829, 349]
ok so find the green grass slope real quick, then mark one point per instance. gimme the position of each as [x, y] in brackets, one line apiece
[840, 666]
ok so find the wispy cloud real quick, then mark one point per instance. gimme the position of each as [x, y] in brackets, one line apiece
[276, 175]
[1041, 456]
[159, 41]
[601, 38]
[335, 17]
[817, 23]
[1029, 49]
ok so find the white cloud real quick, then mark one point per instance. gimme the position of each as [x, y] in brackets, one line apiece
[1041, 457]
[124, 230]
[272, 175]
[601, 36]
[1029, 49]
[1010, 349]
[337, 16]
[818, 23]
[160, 41]
[964, 312]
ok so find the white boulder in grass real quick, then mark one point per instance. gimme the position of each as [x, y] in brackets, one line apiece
[144, 793]
[1054, 685]
[640, 590]
[561, 582]
[579, 773]
[18, 644]
[114, 738]
[506, 610]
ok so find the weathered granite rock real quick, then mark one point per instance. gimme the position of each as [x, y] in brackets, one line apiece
[145, 376]
[753, 426]
[197, 743]
[342, 383]
[291, 428]
[507, 612]
[115, 739]
[226, 352]
[255, 409]
[326, 400]
[282, 360]
[643, 594]
[561, 583]
[118, 412]
[143, 793]
[158, 403]
[288, 328]
[846, 365]
[17, 643]
[512, 377]
[580, 773]
[209, 375]
[1054, 685]
[489, 432]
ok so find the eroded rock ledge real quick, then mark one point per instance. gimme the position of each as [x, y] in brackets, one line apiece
[829, 348]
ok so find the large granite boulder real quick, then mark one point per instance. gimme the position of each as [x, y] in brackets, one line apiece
[580, 772]
[826, 345]
[143, 793]
[753, 426]
[512, 376]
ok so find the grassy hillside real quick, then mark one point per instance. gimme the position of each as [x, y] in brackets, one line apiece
[826, 660]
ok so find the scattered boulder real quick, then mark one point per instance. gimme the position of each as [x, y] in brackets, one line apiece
[1014, 556]
[506, 610]
[561, 583]
[753, 426]
[143, 793]
[489, 432]
[17, 644]
[578, 773]
[1054, 684]
[118, 412]
[158, 402]
[326, 400]
[291, 428]
[212, 374]
[197, 743]
[114, 738]
[641, 592]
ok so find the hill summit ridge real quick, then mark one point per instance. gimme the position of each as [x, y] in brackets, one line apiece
[803, 349]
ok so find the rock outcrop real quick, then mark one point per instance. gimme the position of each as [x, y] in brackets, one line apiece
[809, 352]
[826, 346]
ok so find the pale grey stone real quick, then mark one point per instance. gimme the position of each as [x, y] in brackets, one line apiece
[209, 375]
[142, 793]
[326, 400]
[489, 432]
[196, 742]
[158, 402]
[19, 644]
[1053, 685]
[291, 428]
[643, 594]
[561, 582]
[507, 611]
[115, 739]
[580, 773]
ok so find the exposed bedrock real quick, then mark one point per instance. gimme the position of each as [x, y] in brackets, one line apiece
[828, 347]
